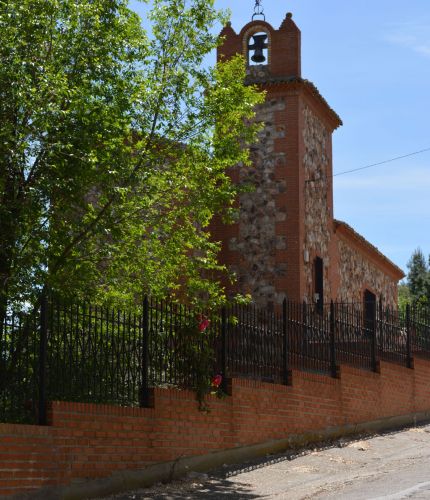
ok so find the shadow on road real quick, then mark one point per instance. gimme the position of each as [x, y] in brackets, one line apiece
[213, 489]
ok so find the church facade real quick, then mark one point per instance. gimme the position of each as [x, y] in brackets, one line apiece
[286, 242]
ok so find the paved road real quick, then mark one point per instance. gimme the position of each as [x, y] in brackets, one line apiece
[390, 467]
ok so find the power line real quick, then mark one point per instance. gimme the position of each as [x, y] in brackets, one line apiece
[382, 162]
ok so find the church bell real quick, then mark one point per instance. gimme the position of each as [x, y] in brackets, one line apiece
[258, 47]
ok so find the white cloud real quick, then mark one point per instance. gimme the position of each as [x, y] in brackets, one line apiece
[423, 49]
[401, 195]
[403, 179]
[411, 36]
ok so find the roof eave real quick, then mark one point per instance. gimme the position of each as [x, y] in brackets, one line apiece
[300, 83]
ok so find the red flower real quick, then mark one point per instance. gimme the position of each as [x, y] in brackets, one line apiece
[216, 381]
[203, 323]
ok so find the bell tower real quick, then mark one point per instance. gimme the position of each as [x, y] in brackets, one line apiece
[285, 220]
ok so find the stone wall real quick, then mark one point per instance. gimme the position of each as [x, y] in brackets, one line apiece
[357, 274]
[257, 240]
[318, 218]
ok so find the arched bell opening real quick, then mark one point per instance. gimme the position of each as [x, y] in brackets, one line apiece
[258, 49]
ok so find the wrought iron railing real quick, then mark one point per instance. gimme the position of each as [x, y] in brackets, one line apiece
[87, 353]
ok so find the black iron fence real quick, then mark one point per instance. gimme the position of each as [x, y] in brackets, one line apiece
[19, 367]
[87, 353]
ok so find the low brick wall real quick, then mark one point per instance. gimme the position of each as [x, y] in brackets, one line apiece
[92, 441]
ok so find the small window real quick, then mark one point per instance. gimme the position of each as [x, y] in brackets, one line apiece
[258, 46]
[319, 283]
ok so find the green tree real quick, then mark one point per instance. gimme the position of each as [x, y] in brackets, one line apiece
[404, 295]
[427, 284]
[114, 145]
[418, 276]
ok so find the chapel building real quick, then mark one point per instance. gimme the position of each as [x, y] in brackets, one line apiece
[286, 242]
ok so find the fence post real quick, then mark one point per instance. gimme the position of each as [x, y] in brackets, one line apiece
[373, 340]
[304, 332]
[305, 320]
[43, 344]
[144, 390]
[286, 346]
[409, 363]
[333, 368]
[224, 349]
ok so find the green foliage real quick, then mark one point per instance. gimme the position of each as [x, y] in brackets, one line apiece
[404, 296]
[197, 360]
[418, 280]
[427, 284]
[114, 145]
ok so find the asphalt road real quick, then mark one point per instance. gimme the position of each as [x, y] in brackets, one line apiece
[389, 467]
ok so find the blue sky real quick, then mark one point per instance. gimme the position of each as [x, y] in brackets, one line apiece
[371, 61]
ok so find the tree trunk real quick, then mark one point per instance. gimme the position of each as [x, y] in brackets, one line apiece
[10, 216]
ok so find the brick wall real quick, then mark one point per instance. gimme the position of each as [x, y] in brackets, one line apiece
[265, 248]
[287, 220]
[91, 441]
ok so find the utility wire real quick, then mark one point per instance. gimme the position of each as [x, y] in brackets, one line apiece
[382, 162]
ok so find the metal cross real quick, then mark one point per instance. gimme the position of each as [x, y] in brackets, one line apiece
[258, 10]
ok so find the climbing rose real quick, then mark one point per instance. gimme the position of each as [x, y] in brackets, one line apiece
[203, 323]
[216, 381]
